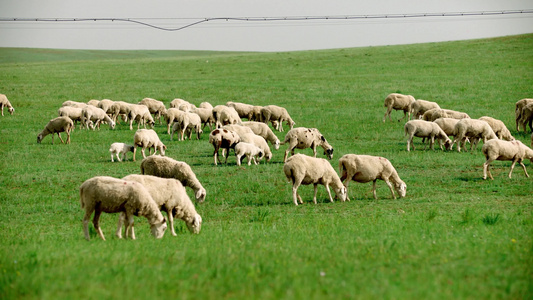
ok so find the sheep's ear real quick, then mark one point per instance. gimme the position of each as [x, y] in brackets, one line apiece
[322, 138]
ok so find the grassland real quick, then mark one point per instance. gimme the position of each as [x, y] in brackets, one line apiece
[454, 236]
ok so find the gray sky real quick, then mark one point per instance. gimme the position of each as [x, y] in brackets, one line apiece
[252, 36]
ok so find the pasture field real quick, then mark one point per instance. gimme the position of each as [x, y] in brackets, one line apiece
[454, 236]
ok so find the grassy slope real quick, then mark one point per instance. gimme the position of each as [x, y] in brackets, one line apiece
[435, 243]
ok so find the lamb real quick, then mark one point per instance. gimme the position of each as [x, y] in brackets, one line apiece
[188, 122]
[518, 111]
[258, 141]
[147, 138]
[96, 116]
[263, 130]
[167, 167]
[499, 128]
[301, 138]
[425, 129]
[302, 169]
[206, 116]
[57, 125]
[526, 117]
[447, 113]
[366, 168]
[74, 113]
[141, 114]
[249, 150]
[225, 139]
[419, 107]
[170, 196]
[173, 115]
[274, 113]
[120, 148]
[473, 129]
[515, 151]
[243, 110]
[398, 102]
[5, 103]
[111, 195]
[156, 107]
[225, 115]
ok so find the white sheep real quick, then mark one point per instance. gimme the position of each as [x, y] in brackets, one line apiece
[251, 151]
[518, 111]
[177, 103]
[515, 151]
[187, 123]
[419, 107]
[156, 107]
[243, 110]
[74, 113]
[120, 108]
[106, 105]
[398, 102]
[225, 139]
[96, 116]
[111, 195]
[499, 128]
[93, 102]
[526, 117]
[425, 129]
[206, 105]
[247, 135]
[263, 130]
[302, 137]
[173, 115]
[447, 113]
[474, 130]
[120, 148]
[277, 115]
[206, 116]
[448, 126]
[167, 167]
[57, 125]
[141, 114]
[225, 115]
[147, 138]
[74, 103]
[366, 168]
[302, 169]
[255, 114]
[5, 103]
[170, 196]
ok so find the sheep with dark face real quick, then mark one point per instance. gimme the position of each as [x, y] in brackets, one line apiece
[302, 137]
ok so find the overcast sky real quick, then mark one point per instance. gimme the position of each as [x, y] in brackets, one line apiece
[252, 35]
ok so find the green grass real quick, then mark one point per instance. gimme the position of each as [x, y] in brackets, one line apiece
[453, 236]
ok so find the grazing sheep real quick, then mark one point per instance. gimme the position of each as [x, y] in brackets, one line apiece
[499, 128]
[225, 115]
[206, 105]
[106, 105]
[156, 107]
[170, 196]
[74, 103]
[120, 148]
[247, 135]
[74, 113]
[189, 122]
[526, 117]
[249, 150]
[474, 130]
[515, 151]
[166, 167]
[366, 168]
[178, 103]
[419, 107]
[425, 129]
[111, 195]
[96, 116]
[518, 111]
[302, 169]
[141, 114]
[255, 114]
[121, 108]
[448, 126]
[302, 137]
[447, 113]
[274, 113]
[147, 138]
[206, 116]
[5, 103]
[57, 125]
[263, 130]
[93, 102]
[225, 139]
[243, 110]
[398, 102]
[173, 115]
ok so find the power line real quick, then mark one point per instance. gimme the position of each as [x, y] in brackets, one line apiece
[198, 21]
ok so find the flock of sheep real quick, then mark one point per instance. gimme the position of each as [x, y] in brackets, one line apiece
[161, 185]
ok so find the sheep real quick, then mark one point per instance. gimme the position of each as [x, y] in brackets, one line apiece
[225, 115]
[448, 126]
[74, 103]
[206, 105]
[147, 138]
[225, 139]
[423, 129]
[419, 107]
[302, 137]
[156, 107]
[366, 168]
[244, 110]
[274, 113]
[5, 103]
[302, 169]
[176, 103]
[499, 128]
[170, 196]
[518, 111]
[263, 130]
[188, 122]
[173, 115]
[120, 108]
[473, 129]
[398, 102]
[57, 125]
[526, 117]
[206, 115]
[446, 113]
[93, 102]
[96, 116]
[106, 105]
[111, 195]
[515, 151]
[256, 140]
[141, 114]
[249, 150]
[74, 113]
[120, 148]
[167, 167]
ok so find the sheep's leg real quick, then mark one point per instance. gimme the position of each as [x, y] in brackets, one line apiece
[409, 140]
[239, 157]
[68, 136]
[112, 157]
[171, 222]
[142, 151]
[390, 187]
[121, 218]
[129, 227]
[226, 160]
[255, 160]
[315, 186]
[387, 113]
[374, 189]
[295, 195]
[524, 167]
[86, 219]
[123, 156]
[134, 151]
[96, 224]
[512, 167]
[486, 169]
[250, 160]
[329, 193]
[314, 149]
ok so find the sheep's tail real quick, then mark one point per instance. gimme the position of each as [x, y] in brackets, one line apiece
[82, 203]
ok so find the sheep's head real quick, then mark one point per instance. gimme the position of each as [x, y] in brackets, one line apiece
[158, 229]
[276, 144]
[11, 110]
[401, 188]
[342, 193]
[112, 124]
[162, 149]
[328, 149]
[39, 138]
[261, 154]
[200, 195]
[195, 225]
